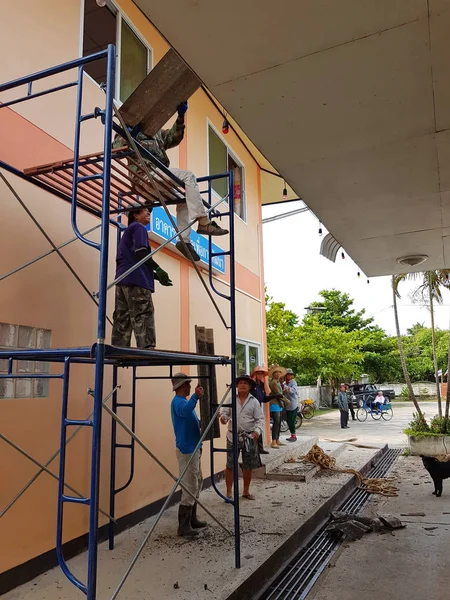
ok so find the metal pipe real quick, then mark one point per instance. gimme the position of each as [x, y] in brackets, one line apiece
[61, 485]
[35, 260]
[53, 71]
[47, 463]
[76, 161]
[237, 527]
[38, 94]
[112, 470]
[163, 245]
[168, 499]
[133, 429]
[169, 215]
[44, 468]
[101, 330]
[118, 420]
[49, 240]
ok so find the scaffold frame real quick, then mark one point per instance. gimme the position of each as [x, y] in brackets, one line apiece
[96, 185]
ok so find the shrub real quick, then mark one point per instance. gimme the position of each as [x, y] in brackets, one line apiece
[417, 425]
[440, 425]
[404, 393]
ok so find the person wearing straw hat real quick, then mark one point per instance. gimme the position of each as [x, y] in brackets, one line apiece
[186, 426]
[277, 403]
[134, 309]
[261, 392]
[250, 423]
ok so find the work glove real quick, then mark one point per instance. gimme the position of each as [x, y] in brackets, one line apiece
[163, 277]
[182, 108]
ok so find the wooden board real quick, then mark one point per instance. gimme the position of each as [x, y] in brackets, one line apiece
[204, 339]
[156, 99]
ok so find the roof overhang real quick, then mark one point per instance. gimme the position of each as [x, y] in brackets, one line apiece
[350, 101]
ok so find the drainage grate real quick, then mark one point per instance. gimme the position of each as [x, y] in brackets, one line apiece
[297, 579]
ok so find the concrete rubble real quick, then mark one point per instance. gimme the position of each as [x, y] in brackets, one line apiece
[169, 566]
[355, 526]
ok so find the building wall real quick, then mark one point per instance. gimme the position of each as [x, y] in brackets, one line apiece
[36, 35]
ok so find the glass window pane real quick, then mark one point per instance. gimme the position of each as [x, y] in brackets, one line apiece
[218, 162]
[253, 352]
[99, 31]
[241, 359]
[133, 62]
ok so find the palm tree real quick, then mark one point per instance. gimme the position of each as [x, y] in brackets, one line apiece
[395, 281]
[429, 292]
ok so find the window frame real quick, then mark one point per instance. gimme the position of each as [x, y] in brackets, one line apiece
[120, 16]
[247, 344]
[237, 160]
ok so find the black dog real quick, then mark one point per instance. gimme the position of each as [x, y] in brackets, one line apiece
[438, 471]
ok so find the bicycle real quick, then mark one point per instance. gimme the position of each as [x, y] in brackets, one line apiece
[307, 410]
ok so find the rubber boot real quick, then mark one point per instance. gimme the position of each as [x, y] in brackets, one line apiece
[184, 522]
[195, 523]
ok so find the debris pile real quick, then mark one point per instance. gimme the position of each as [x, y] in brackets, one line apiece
[355, 526]
[383, 486]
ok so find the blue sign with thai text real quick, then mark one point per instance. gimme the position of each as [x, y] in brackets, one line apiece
[162, 227]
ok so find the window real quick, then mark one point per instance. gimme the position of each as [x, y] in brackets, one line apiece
[20, 336]
[106, 25]
[247, 358]
[220, 161]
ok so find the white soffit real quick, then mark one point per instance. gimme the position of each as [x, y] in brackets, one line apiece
[349, 100]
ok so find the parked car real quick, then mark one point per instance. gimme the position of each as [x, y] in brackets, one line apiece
[367, 392]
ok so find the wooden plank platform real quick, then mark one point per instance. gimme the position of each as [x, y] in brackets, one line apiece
[129, 185]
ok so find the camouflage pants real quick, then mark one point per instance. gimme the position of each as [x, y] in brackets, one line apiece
[134, 312]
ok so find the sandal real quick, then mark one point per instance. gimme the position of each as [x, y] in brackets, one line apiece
[249, 496]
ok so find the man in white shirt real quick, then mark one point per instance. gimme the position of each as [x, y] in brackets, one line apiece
[379, 400]
[250, 423]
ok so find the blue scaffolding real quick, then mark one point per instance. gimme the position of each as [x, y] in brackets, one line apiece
[96, 184]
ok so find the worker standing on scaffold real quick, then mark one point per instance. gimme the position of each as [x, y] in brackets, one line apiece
[193, 208]
[134, 310]
[186, 426]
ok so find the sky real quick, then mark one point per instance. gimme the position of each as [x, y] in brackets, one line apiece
[295, 273]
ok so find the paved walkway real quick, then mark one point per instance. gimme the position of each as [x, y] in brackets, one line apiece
[327, 426]
[172, 568]
[410, 564]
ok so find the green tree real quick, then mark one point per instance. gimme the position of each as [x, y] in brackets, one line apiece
[381, 358]
[311, 349]
[335, 310]
[395, 282]
[429, 292]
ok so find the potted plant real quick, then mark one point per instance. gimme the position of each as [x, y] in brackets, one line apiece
[428, 439]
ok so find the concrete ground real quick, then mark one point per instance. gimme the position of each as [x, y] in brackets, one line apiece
[327, 426]
[410, 564]
[176, 569]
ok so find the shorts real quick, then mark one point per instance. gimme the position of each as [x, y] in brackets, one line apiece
[250, 454]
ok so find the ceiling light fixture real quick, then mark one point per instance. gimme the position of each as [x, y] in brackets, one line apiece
[413, 260]
[101, 3]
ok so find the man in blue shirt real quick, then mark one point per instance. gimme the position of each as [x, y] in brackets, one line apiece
[134, 309]
[186, 426]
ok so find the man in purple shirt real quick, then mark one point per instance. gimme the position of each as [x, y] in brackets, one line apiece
[134, 309]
